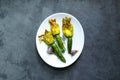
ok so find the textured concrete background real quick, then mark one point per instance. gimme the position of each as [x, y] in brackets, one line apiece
[20, 19]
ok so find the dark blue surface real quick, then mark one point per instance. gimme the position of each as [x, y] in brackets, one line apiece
[20, 19]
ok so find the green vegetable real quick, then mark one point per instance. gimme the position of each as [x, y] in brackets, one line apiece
[60, 43]
[58, 52]
[69, 44]
[49, 40]
[67, 29]
[55, 30]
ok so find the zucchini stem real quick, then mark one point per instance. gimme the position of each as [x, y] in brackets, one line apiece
[69, 44]
[60, 42]
[58, 52]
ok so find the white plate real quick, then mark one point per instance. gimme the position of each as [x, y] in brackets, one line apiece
[78, 41]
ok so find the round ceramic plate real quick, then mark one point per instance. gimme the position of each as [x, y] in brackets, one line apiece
[78, 41]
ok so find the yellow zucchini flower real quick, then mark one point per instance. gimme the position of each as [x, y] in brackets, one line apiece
[55, 30]
[54, 27]
[49, 40]
[67, 27]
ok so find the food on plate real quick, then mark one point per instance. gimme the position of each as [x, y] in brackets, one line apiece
[47, 37]
[68, 31]
[73, 52]
[55, 30]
